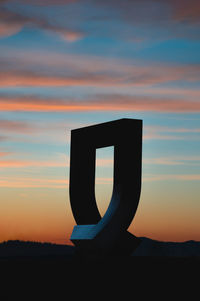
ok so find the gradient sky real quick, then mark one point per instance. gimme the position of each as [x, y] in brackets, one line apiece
[65, 64]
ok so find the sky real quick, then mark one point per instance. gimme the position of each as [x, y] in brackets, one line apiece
[66, 64]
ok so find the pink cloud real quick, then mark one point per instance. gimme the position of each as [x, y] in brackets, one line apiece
[104, 162]
[172, 177]
[20, 182]
[7, 30]
[106, 103]
[30, 163]
[157, 136]
[77, 70]
[175, 160]
[47, 2]
[12, 22]
[31, 79]
[104, 181]
[171, 129]
[185, 10]
[3, 138]
[2, 154]
[16, 126]
[69, 35]
[162, 132]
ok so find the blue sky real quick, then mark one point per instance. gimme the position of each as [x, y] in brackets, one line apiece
[67, 64]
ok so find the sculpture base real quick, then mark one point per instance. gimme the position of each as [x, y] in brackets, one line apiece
[87, 245]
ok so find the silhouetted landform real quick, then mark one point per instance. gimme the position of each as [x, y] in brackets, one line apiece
[32, 266]
[17, 248]
[147, 248]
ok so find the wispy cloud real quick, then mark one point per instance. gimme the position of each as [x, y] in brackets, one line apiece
[155, 19]
[2, 153]
[171, 177]
[24, 69]
[16, 126]
[7, 30]
[104, 162]
[3, 138]
[106, 103]
[151, 14]
[169, 133]
[34, 79]
[143, 11]
[22, 182]
[184, 10]
[31, 163]
[175, 160]
[13, 22]
[155, 178]
[168, 129]
[104, 181]
[26, 182]
[47, 2]
[10, 22]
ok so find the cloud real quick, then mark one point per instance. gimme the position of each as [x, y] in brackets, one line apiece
[3, 138]
[157, 128]
[185, 10]
[154, 20]
[70, 36]
[30, 163]
[175, 160]
[103, 103]
[32, 79]
[7, 30]
[20, 182]
[144, 103]
[104, 162]
[2, 154]
[16, 126]
[156, 136]
[171, 177]
[162, 132]
[138, 20]
[46, 69]
[144, 10]
[103, 181]
[73, 70]
[12, 23]
[178, 6]
[47, 2]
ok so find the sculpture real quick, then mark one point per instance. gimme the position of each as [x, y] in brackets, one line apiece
[107, 234]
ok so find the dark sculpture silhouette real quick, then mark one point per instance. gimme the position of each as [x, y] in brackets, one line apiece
[106, 235]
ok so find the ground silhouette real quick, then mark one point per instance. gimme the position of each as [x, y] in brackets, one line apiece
[44, 269]
[19, 250]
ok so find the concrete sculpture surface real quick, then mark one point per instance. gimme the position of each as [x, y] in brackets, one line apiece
[107, 234]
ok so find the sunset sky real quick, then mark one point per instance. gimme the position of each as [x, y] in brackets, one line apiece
[66, 64]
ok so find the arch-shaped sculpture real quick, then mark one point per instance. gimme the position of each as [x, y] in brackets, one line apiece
[107, 234]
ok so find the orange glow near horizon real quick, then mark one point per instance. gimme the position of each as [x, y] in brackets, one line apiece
[137, 104]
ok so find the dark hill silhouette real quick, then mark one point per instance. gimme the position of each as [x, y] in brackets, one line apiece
[148, 248]
[32, 265]
[17, 248]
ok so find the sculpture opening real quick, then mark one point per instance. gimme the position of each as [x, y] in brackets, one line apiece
[104, 177]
